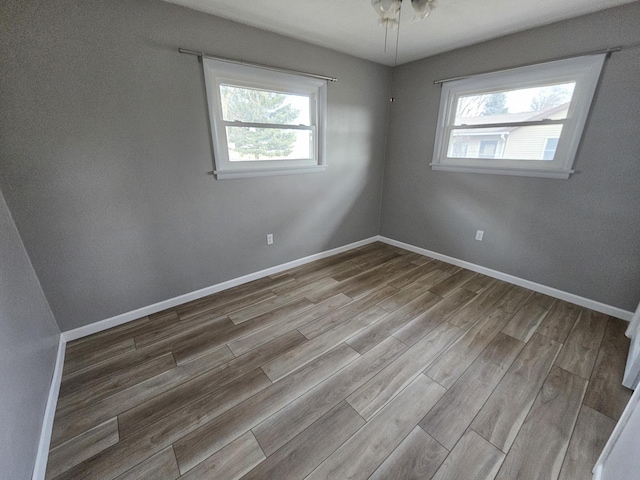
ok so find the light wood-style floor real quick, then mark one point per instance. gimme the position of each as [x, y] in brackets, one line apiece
[376, 363]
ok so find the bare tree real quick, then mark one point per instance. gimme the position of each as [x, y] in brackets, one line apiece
[481, 105]
[471, 106]
[551, 97]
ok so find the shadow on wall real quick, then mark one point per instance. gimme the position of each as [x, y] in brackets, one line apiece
[324, 217]
[357, 185]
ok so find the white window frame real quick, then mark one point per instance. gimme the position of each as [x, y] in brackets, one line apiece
[217, 72]
[585, 71]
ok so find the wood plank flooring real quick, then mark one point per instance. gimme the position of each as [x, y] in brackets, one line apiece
[376, 363]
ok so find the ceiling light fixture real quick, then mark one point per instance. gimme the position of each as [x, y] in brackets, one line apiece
[389, 10]
[389, 16]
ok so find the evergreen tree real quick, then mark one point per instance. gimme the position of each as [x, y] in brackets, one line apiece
[495, 104]
[259, 106]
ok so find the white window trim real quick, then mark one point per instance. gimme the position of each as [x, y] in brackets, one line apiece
[585, 71]
[218, 72]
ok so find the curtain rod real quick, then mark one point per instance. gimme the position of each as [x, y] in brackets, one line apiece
[257, 65]
[608, 51]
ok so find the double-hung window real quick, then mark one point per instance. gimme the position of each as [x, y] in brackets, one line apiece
[524, 121]
[264, 122]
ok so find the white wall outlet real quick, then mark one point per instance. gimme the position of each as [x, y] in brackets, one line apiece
[479, 235]
[270, 239]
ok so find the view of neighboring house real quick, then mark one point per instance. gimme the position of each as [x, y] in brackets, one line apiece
[530, 142]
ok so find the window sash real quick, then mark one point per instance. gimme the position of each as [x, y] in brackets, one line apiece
[308, 95]
[584, 71]
[281, 126]
[219, 73]
[275, 161]
[466, 126]
[532, 163]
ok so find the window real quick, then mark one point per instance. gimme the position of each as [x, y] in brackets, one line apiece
[488, 148]
[264, 122]
[524, 121]
[459, 147]
[550, 146]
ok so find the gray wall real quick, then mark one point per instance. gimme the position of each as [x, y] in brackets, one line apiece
[580, 235]
[106, 150]
[28, 345]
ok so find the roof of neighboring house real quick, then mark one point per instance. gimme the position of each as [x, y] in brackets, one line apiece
[506, 118]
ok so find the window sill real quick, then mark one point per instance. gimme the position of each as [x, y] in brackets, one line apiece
[520, 172]
[267, 172]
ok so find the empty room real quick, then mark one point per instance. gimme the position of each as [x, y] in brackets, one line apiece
[285, 239]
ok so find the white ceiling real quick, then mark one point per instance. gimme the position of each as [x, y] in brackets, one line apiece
[351, 26]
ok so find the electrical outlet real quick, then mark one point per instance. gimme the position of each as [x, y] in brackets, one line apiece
[479, 235]
[270, 239]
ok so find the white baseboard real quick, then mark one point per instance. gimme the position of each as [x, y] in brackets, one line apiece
[537, 287]
[101, 325]
[45, 437]
[42, 456]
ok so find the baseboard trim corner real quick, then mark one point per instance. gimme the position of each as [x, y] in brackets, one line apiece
[536, 287]
[40, 467]
[101, 325]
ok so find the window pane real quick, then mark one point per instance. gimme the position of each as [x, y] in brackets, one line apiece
[550, 148]
[261, 106]
[488, 148]
[538, 142]
[248, 144]
[522, 105]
